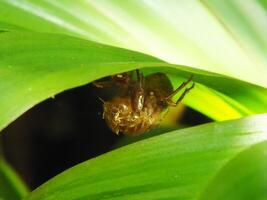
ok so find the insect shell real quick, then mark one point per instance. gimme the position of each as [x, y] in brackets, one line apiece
[138, 102]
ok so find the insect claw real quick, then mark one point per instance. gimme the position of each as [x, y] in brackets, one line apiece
[193, 85]
[101, 100]
[98, 85]
[117, 132]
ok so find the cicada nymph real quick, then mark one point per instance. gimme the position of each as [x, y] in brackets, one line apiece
[138, 101]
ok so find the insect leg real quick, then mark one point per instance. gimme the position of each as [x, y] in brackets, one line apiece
[169, 98]
[180, 87]
[102, 84]
[140, 79]
[138, 92]
[171, 103]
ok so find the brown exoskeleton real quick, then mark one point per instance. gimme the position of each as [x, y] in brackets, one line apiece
[138, 103]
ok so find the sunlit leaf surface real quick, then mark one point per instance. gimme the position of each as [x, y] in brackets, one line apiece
[175, 165]
[37, 66]
[227, 37]
[248, 182]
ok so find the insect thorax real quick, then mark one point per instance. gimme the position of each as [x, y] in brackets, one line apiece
[121, 117]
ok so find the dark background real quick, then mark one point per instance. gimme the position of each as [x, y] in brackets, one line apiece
[62, 132]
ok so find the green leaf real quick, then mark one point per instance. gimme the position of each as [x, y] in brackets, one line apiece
[11, 186]
[4, 27]
[35, 66]
[227, 37]
[242, 178]
[175, 165]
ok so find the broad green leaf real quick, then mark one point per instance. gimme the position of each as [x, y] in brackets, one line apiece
[35, 66]
[11, 186]
[8, 27]
[227, 37]
[175, 165]
[243, 178]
